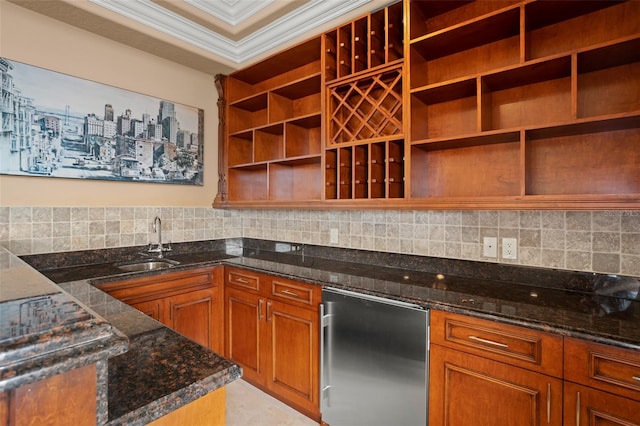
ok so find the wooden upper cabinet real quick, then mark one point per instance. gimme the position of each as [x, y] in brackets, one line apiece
[445, 105]
[524, 104]
[273, 128]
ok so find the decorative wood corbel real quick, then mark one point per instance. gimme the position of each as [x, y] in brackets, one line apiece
[221, 196]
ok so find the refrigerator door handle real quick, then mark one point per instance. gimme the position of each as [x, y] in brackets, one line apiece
[325, 345]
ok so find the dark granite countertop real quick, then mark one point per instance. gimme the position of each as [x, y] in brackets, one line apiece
[602, 309]
[597, 307]
[43, 330]
[46, 329]
[161, 371]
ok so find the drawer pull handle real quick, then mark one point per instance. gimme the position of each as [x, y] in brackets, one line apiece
[242, 280]
[548, 402]
[488, 342]
[290, 293]
[637, 378]
[578, 409]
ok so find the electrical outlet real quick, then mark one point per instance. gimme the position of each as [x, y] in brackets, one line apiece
[490, 247]
[333, 236]
[509, 248]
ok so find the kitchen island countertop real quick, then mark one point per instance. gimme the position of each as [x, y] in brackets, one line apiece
[151, 371]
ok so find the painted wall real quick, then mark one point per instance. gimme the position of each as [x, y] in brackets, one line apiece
[31, 38]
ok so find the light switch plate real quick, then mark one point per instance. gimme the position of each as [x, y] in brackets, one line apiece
[490, 247]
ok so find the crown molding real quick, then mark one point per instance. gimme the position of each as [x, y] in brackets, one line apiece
[298, 22]
[233, 12]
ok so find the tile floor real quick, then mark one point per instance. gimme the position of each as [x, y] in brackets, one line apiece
[248, 406]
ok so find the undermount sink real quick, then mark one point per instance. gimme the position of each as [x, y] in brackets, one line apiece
[147, 265]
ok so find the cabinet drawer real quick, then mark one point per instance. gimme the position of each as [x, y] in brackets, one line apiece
[243, 279]
[611, 369]
[294, 291]
[519, 346]
[137, 290]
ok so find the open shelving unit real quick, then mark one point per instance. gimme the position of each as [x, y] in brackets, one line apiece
[524, 104]
[440, 104]
[275, 128]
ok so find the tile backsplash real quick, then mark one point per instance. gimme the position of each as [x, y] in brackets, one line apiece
[32, 230]
[603, 241]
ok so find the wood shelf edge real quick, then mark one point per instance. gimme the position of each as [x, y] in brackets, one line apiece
[531, 202]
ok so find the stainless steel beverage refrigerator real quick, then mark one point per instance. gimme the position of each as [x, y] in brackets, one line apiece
[375, 361]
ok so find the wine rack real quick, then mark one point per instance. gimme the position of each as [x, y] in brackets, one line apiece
[365, 43]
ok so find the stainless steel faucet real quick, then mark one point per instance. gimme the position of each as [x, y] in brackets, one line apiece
[160, 249]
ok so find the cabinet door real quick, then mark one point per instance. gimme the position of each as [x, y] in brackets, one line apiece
[244, 319]
[294, 365]
[64, 399]
[191, 314]
[471, 390]
[152, 308]
[585, 406]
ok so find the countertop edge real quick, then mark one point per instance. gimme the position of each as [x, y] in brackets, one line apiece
[31, 369]
[169, 403]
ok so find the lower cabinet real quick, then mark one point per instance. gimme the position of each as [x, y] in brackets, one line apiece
[192, 314]
[470, 390]
[244, 334]
[602, 384]
[487, 373]
[189, 302]
[587, 406]
[41, 403]
[272, 332]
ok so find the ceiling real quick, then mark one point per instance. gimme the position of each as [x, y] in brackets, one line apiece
[214, 36]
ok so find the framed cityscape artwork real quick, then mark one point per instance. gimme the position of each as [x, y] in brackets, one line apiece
[57, 125]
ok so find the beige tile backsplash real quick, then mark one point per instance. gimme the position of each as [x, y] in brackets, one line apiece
[603, 241]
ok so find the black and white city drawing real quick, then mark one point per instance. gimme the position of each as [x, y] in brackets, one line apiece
[57, 125]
